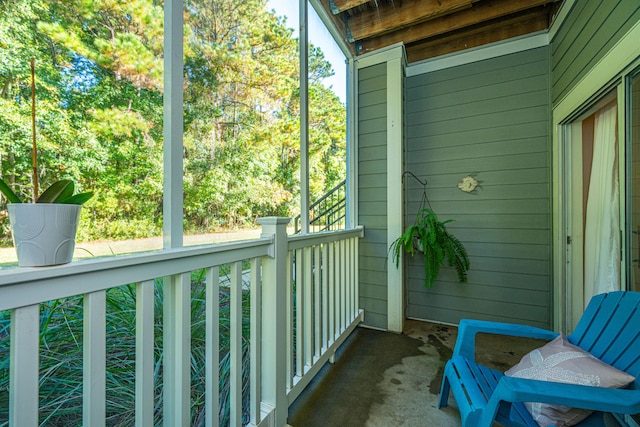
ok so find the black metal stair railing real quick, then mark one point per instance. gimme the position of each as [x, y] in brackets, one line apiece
[327, 213]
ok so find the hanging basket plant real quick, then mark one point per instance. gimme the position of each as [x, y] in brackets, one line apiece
[439, 247]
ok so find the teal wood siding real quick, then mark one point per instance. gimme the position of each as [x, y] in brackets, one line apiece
[489, 119]
[372, 192]
[590, 30]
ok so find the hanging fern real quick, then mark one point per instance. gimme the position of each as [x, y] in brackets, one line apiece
[437, 244]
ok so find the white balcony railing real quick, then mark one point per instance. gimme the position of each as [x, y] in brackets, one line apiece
[303, 302]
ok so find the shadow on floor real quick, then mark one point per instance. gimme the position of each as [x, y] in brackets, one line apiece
[387, 379]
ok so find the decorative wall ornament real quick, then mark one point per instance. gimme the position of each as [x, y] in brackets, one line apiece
[468, 184]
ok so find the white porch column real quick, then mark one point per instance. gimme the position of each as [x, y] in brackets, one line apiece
[395, 276]
[173, 123]
[304, 117]
[274, 321]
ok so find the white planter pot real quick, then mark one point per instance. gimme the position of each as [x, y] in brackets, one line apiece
[43, 233]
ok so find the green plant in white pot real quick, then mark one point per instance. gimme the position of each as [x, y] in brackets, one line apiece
[44, 232]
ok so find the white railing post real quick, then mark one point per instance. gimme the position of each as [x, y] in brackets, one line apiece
[94, 359]
[274, 319]
[145, 294]
[177, 350]
[24, 364]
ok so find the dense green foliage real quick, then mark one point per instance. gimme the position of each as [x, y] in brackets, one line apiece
[99, 68]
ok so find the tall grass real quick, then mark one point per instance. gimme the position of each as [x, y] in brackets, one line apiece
[61, 357]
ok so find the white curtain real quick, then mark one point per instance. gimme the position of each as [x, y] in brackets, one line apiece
[602, 228]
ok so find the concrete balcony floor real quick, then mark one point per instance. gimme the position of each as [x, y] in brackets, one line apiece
[387, 379]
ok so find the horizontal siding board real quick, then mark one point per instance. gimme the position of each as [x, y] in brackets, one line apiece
[373, 168]
[502, 235]
[373, 194]
[378, 250]
[368, 73]
[375, 292]
[377, 221]
[376, 111]
[373, 278]
[503, 132]
[527, 297]
[484, 191]
[515, 64]
[369, 140]
[497, 207]
[517, 312]
[513, 154]
[454, 315]
[374, 305]
[372, 126]
[486, 120]
[497, 150]
[375, 235]
[374, 97]
[502, 177]
[497, 90]
[374, 264]
[370, 153]
[506, 104]
[372, 207]
[374, 320]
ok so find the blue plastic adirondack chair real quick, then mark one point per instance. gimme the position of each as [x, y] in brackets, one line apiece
[609, 329]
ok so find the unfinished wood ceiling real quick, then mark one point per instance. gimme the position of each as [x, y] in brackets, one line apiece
[431, 28]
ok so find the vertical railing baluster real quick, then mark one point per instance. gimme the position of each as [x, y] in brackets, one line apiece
[325, 296]
[354, 275]
[212, 347]
[317, 287]
[300, 318]
[307, 269]
[332, 293]
[289, 305]
[256, 342]
[347, 283]
[343, 280]
[177, 350]
[235, 372]
[144, 353]
[24, 366]
[94, 359]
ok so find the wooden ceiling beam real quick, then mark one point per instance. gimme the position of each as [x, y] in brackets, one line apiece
[338, 6]
[484, 34]
[482, 11]
[398, 14]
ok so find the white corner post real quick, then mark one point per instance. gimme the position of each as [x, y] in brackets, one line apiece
[173, 123]
[395, 137]
[304, 117]
[274, 321]
[177, 289]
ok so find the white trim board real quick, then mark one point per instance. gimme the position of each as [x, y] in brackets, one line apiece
[492, 50]
[389, 53]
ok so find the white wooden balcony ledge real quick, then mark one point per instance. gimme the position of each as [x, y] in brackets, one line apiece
[316, 273]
